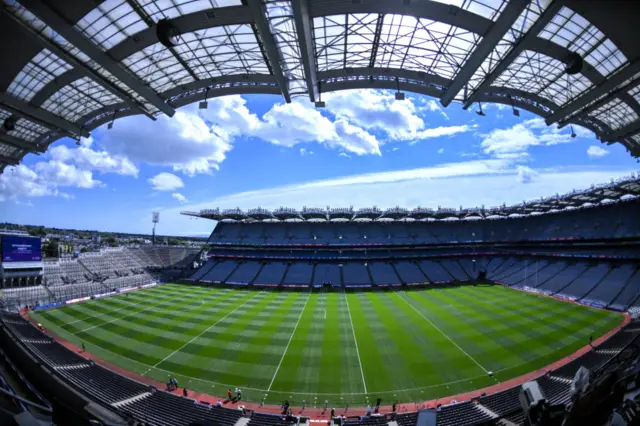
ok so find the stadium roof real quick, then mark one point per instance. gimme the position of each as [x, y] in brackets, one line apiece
[71, 66]
[616, 191]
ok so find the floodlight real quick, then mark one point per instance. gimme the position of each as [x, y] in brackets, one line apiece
[479, 111]
[399, 96]
[320, 104]
[573, 134]
[110, 125]
[10, 123]
[203, 105]
[516, 112]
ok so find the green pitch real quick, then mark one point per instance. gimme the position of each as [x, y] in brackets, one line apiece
[346, 348]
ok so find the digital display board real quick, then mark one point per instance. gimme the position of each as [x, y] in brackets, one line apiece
[17, 248]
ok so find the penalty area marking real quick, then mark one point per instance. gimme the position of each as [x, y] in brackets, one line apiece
[441, 332]
[289, 342]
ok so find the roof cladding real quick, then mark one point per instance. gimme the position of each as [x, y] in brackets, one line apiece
[74, 66]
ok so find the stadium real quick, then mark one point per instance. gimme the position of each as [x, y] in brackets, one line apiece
[514, 314]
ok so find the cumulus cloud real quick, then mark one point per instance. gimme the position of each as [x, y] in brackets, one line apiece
[513, 143]
[184, 142]
[441, 151]
[526, 174]
[595, 151]
[305, 151]
[379, 110]
[181, 198]
[165, 182]
[86, 158]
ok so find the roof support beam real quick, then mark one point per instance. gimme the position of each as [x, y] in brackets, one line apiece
[59, 24]
[305, 40]
[80, 67]
[516, 50]
[269, 43]
[20, 143]
[489, 41]
[9, 161]
[609, 84]
[23, 109]
[629, 129]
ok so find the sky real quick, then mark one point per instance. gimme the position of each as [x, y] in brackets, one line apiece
[364, 149]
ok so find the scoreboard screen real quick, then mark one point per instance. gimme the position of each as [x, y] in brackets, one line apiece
[16, 248]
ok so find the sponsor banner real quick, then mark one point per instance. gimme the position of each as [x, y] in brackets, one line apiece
[48, 305]
[80, 299]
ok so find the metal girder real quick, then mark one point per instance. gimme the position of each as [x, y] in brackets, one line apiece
[610, 83]
[77, 65]
[147, 20]
[269, 43]
[9, 161]
[305, 40]
[629, 129]
[59, 24]
[518, 48]
[489, 41]
[47, 119]
[20, 143]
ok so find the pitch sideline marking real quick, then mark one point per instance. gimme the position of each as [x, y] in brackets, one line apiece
[289, 342]
[207, 329]
[356, 342]
[136, 313]
[441, 332]
[112, 311]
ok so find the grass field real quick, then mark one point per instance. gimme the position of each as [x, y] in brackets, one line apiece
[345, 348]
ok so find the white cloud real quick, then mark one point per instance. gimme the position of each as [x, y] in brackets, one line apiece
[44, 179]
[344, 154]
[433, 105]
[595, 151]
[185, 142]
[378, 110]
[88, 159]
[526, 174]
[513, 143]
[305, 151]
[181, 198]
[441, 151]
[165, 182]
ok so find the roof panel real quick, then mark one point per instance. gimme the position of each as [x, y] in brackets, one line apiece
[571, 30]
[9, 151]
[167, 9]
[28, 130]
[79, 98]
[42, 69]
[531, 72]
[616, 114]
[225, 50]
[157, 66]
[489, 9]
[110, 23]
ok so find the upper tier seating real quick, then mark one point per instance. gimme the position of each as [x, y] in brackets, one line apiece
[587, 223]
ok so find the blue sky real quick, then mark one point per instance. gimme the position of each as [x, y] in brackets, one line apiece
[364, 149]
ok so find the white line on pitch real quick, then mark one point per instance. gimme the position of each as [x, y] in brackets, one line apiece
[171, 300]
[441, 332]
[116, 310]
[356, 342]
[325, 314]
[289, 342]
[208, 328]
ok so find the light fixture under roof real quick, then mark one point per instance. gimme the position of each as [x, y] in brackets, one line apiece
[479, 111]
